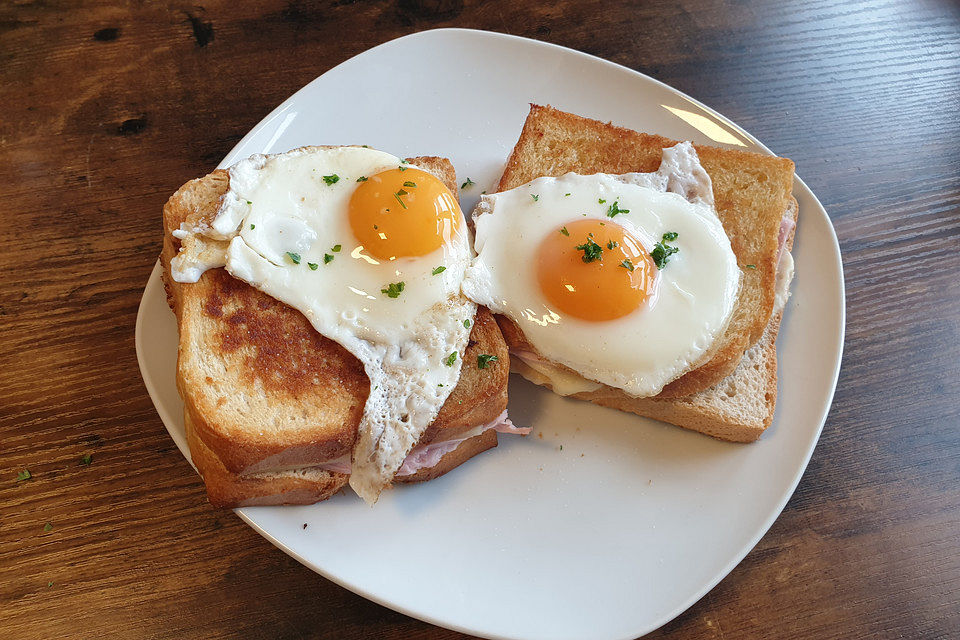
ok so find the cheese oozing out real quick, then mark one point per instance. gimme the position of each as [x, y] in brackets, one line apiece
[627, 280]
[372, 251]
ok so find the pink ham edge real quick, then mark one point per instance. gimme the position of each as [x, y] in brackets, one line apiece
[429, 455]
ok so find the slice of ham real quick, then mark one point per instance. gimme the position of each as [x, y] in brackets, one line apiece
[787, 224]
[428, 455]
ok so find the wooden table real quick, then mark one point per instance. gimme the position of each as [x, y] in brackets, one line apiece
[107, 109]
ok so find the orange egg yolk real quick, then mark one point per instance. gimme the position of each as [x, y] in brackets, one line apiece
[403, 212]
[594, 270]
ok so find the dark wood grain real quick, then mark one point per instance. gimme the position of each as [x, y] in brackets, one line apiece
[107, 109]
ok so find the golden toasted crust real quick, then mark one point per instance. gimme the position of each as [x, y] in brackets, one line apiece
[226, 489]
[262, 388]
[751, 192]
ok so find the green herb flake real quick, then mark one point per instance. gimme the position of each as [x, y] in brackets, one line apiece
[466, 324]
[294, 256]
[662, 251]
[248, 202]
[439, 384]
[484, 359]
[450, 359]
[401, 168]
[331, 179]
[50, 584]
[48, 527]
[409, 183]
[670, 236]
[313, 266]
[566, 195]
[469, 183]
[404, 162]
[362, 179]
[564, 231]
[601, 201]
[438, 270]
[626, 264]
[336, 248]
[252, 227]
[749, 266]
[397, 196]
[614, 209]
[613, 244]
[535, 197]
[327, 258]
[591, 250]
[24, 475]
[87, 458]
[393, 289]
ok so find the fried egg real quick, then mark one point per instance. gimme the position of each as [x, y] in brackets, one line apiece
[372, 251]
[627, 280]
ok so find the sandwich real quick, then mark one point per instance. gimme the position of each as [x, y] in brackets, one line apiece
[321, 341]
[638, 272]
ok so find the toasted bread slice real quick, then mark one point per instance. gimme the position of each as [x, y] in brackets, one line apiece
[263, 390]
[751, 193]
[305, 485]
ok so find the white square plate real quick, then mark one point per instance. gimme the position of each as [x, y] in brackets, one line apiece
[632, 521]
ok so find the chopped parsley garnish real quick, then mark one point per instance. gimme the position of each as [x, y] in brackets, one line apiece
[87, 458]
[662, 251]
[404, 162]
[401, 168]
[564, 231]
[591, 250]
[565, 195]
[601, 201]
[248, 202]
[626, 264]
[252, 227]
[397, 195]
[438, 270]
[484, 192]
[614, 209]
[327, 258]
[48, 527]
[313, 266]
[331, 179]
[362, 179]
[749, 266]
[393, 289]
[409, 183]
[468, 183]
[294, 256]
[466, 324]
[535, 197]
[336, 248]
[484, 359]
[613, 244]
[23, 475]
[450, 359]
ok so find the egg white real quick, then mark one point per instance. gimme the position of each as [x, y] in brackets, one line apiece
[662, 339]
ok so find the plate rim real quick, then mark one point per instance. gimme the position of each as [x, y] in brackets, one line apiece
[800, 188]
